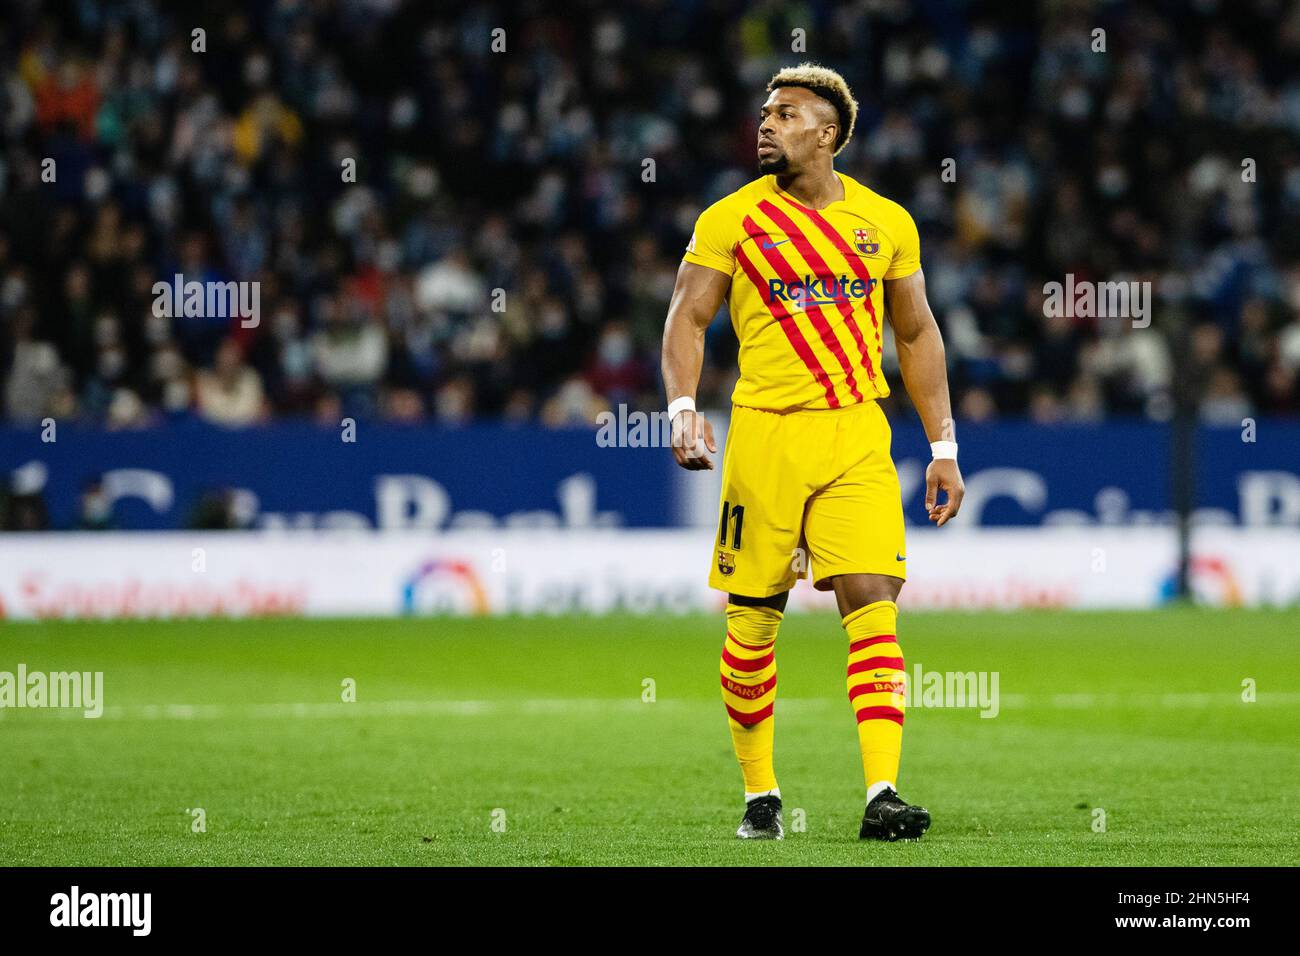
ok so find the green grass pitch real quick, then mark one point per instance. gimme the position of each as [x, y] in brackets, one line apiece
[539, 724]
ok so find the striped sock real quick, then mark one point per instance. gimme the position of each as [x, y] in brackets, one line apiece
[749, 690]
[876, 683]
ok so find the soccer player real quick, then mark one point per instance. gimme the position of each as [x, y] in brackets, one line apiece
[811, 262]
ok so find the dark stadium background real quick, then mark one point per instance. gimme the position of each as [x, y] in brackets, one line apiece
[395, 475]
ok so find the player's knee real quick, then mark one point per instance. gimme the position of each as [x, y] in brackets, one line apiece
[753, 625]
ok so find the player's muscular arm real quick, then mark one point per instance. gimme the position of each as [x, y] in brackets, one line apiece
[696, 298]
[925, 375]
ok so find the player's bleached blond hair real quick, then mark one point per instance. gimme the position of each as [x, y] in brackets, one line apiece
[827, 84]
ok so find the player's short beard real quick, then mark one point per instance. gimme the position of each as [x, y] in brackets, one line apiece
[778, 164]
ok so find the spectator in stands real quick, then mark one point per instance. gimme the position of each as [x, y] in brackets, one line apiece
[230, 393]
[350, 354]
[35, 376]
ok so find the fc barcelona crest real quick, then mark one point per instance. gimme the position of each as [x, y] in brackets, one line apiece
[726, 563]
[866, 241]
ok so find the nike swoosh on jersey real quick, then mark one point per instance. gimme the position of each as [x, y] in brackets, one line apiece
[773, 245]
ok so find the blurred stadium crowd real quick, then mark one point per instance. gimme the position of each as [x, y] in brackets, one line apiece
[524, 171]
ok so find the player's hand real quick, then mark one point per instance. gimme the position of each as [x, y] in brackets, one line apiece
[692, 434]
[943, 475]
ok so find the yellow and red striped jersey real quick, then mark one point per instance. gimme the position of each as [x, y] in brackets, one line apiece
[806, 298]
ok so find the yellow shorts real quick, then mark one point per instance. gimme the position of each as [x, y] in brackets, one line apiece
[807, 487]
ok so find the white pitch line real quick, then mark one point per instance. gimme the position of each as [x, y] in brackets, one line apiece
[601, 705]
[385, 708]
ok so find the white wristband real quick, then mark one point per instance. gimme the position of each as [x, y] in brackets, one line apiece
[943, 449]
[677, 405]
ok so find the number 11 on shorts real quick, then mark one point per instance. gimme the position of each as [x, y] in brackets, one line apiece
[736, 516]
